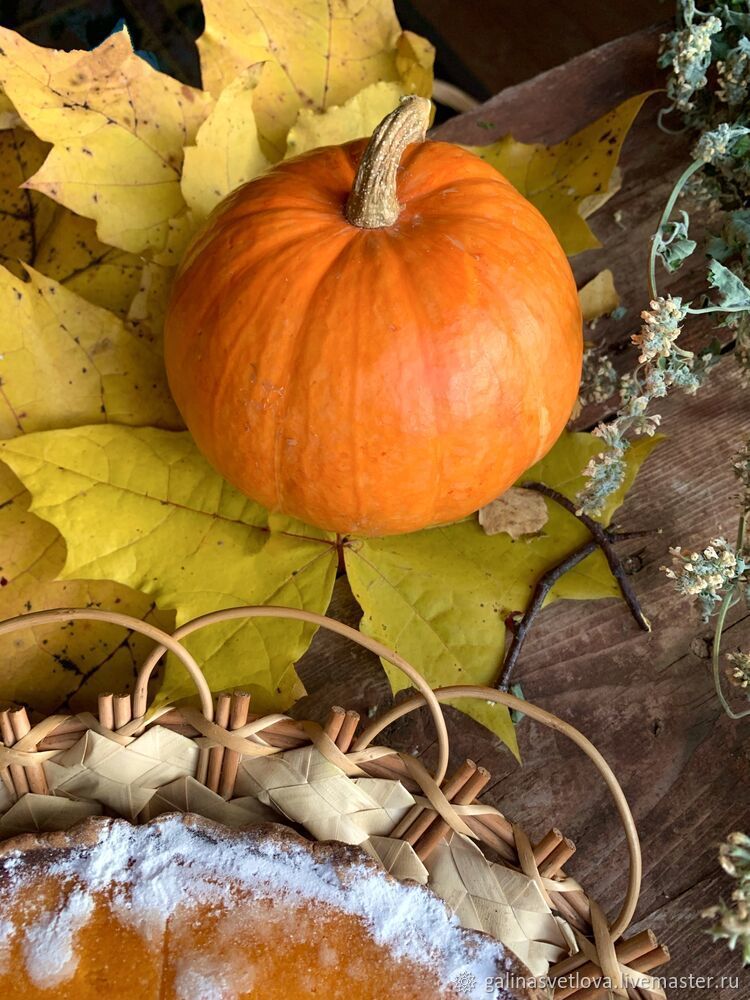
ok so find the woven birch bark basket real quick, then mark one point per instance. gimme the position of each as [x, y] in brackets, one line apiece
[331, 782]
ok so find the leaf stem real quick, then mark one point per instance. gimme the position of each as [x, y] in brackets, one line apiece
[694, 167]
[716, 309]
[720, 621]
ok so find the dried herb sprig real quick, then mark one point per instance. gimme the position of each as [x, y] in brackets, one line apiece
[713, 44]
[719, 578]
[732, 920]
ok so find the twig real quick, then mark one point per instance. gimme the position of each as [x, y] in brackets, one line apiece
[604, 540]
[543, 587]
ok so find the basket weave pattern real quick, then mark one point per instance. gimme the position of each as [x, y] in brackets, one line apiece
[228, 765]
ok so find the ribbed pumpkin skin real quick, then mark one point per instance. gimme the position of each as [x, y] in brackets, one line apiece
[375, 381]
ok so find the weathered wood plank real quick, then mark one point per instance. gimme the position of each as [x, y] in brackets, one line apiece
[646, 701]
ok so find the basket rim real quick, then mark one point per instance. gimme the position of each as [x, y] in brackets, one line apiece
[432, 698]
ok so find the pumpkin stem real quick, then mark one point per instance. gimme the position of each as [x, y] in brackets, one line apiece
[372, 203]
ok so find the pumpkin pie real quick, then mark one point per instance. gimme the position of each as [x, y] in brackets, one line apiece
[187, 909]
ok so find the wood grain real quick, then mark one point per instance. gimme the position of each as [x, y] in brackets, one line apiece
[503, 42]
[647, 701]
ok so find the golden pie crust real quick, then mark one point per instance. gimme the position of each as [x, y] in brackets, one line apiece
[185, 908]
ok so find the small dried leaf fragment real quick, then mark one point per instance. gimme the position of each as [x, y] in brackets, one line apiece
[598, 297]
[517, 512]
[118, 128]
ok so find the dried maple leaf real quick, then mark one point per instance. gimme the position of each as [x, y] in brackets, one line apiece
[65, 362]
[117, 128]
[227, 151]
[60, 667]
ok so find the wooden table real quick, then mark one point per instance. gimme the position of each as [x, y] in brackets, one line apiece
[647, 701]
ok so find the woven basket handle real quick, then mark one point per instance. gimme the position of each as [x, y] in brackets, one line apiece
[559, 725]
[140, 693]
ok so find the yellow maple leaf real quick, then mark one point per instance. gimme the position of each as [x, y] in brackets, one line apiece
[227, 151]
[118, 128]
[53, 239]
[8, 114]
[60, 667]
[65, 361]
[355, 118]
[565, 181]
[188, 539]
[25, 213]
[316, 54]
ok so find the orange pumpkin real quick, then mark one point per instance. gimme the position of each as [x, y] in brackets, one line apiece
[375, 339]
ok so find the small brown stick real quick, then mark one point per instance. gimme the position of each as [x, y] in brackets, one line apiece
[419, 819]
[604, 538]
[106, 710]
[348, 728]
[652, 960]
[334, 722]
[493, 824]
[237, 719]
[560, 856]
[19, 720]
[544, 584]
[123, 710]
[201, 767]
[436, 832]
[573, 907]
[216, 754]
[499, 844]
[17, 773]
